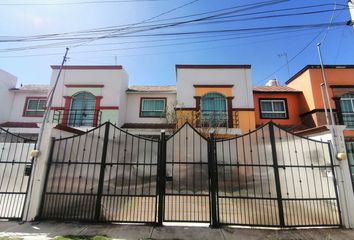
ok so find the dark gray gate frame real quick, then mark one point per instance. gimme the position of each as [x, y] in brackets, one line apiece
[24, 140]
[276, 175]
[212, 177]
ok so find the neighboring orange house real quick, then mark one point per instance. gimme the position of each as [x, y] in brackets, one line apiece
[279, 104]
[340, 82]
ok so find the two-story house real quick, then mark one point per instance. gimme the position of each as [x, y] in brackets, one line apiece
[23, 107]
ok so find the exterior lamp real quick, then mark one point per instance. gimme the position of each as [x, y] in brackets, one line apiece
[34, 153]
[341, 156]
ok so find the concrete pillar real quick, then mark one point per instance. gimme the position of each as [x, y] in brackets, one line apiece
[40, 164]
[345, 189]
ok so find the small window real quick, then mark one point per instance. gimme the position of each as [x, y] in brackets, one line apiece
[152, 107]
[273, 109]
[347, 109]
[35, 107]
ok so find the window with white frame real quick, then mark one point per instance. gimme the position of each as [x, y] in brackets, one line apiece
[273, 108]
[347, 109]
[35, 107]
[152, 107]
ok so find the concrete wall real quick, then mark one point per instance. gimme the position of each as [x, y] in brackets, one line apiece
[239, 77]
[7, 81]
[133, 105]
[123, 99]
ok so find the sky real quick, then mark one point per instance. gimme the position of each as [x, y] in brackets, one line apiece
[149, 37]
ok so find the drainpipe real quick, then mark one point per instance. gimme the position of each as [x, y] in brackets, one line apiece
[325, 86]
[324, 104]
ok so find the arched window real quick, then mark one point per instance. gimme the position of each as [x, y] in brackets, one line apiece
[82, 109]
[213, 110]
[347, 109]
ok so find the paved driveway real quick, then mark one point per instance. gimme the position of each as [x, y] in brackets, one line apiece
[49, 229]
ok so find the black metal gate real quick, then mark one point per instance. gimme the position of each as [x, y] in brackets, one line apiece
[106, 174]
[186, 196]
[268, 177]
[15, 172]
[271, 177]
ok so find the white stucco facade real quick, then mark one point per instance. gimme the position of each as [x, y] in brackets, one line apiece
[7, 81]
[107, 82]
[115, 82]
[239, 77]
[19, 104]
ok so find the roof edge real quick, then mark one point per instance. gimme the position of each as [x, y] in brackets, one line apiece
[207, 66]
[88, 67]
[317, 66]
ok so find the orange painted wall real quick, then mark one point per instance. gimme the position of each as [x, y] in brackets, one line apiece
[200, 91]
[309, 83]
[334, 77]
[294, 108]
[246, 121]
[303, 84]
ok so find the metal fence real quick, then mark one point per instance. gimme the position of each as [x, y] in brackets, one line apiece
[268, 177]
[271, 177]
[106, 174]
[15, 172]
[78, 117]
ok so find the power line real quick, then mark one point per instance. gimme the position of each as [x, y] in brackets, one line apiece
[130, 26]
[56, 45]
[155, 46]
[144, 21]
[291, 59]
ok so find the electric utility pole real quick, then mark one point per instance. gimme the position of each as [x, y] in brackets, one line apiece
[50, 100]
[351, 10]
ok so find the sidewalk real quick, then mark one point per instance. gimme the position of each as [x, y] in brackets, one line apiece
[49, 230]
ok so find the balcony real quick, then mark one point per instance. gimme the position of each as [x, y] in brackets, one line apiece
[214, 119]
[78, 117]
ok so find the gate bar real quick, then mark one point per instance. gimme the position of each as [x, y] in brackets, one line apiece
[103, 166]
[213, 179]
[276, 175]
[161, 177]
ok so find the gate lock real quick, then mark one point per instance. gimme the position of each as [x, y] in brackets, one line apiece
[28, 170]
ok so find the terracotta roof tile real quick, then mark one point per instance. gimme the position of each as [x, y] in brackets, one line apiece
[167, 88]
[274, 89]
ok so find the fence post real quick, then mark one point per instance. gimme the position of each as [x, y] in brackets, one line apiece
[50, 159]
[102, 170]
[161, 177]
[39, 171]
[276, 175]
[344, 181]
[213, 181]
